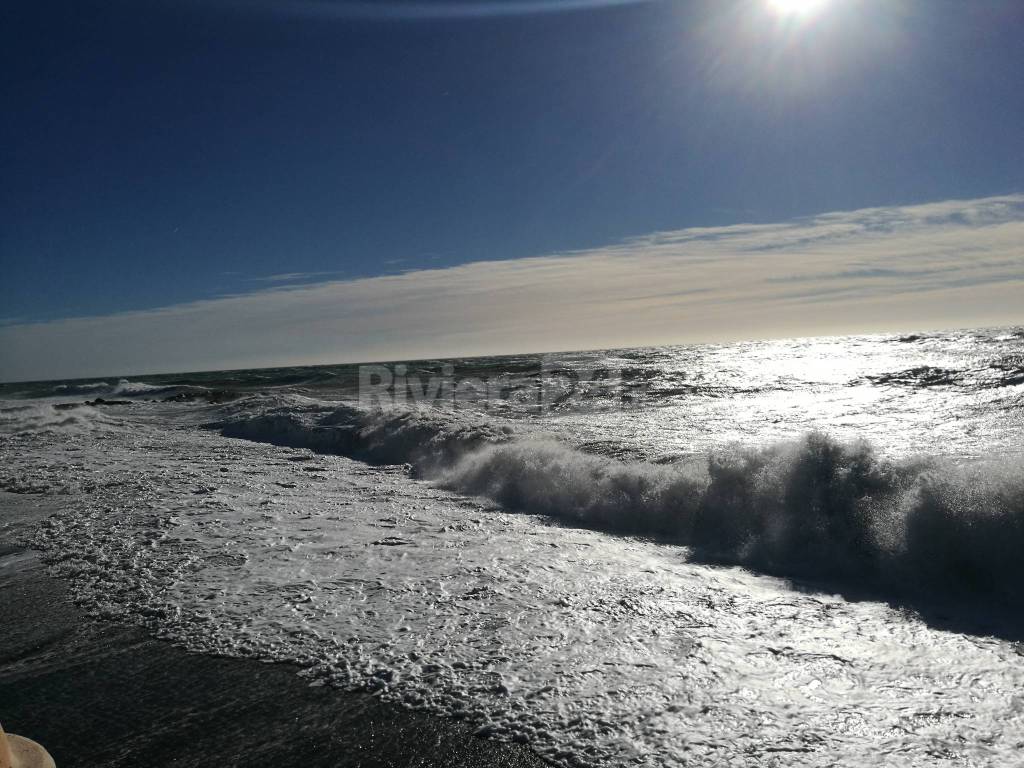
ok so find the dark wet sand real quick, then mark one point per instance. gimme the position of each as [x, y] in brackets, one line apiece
[100, 694]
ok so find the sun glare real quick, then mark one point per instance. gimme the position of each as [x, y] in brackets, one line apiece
[796, 7]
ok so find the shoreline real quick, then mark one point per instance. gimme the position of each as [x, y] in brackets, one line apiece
[104, 694]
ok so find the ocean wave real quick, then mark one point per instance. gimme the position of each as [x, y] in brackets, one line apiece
[125, 388]
[1004, 372]
[89, 388]
[814, 508]
[39, 418]
[122, 387]
[429, 440]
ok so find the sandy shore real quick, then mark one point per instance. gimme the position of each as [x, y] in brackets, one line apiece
[100, 694]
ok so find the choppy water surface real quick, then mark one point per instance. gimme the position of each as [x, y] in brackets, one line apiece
[590, 562]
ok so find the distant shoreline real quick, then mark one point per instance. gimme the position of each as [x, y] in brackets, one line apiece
[104, 694]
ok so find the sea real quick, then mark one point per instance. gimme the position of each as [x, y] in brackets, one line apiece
[800, 552]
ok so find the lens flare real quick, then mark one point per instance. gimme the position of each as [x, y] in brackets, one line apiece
[796, 7]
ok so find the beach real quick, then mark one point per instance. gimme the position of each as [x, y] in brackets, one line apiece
[695, 556]
[512, 383]
[103, 694]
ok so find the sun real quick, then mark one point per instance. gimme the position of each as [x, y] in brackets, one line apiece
[796, 7]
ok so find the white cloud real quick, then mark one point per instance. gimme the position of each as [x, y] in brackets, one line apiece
[295, 277]
[944, 264]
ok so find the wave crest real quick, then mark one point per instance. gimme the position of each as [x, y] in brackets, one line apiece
[122, 387]
[815, 507]
[427, 439]
[38, 418]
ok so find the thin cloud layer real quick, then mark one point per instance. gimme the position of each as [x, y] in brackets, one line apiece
[945, 264]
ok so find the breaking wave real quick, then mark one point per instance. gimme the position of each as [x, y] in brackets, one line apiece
[125, 388]
[813, 508]
[90, 388]
[427, 439]
[39, 418]
[122, 387]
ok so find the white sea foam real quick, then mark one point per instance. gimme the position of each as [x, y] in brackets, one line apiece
[486, 568]
[812, 507]
[33, 418]
[85, 388]
[122, 388]
[595, 650]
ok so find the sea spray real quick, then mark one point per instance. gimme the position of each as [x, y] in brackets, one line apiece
[815, 507]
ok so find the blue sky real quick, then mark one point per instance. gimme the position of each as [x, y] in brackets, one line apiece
[156, 154]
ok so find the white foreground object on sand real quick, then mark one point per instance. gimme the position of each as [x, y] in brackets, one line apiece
[19, 752]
